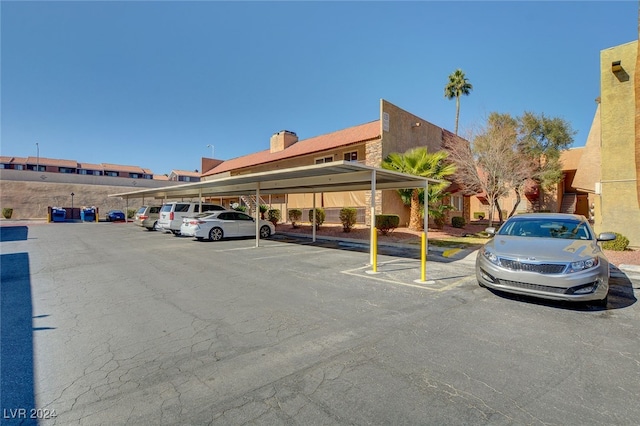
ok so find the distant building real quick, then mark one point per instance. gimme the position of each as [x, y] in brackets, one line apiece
[184, 176]
[53, 165]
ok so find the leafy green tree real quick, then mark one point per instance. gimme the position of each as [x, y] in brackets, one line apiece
[542, 139]
[510, 153]
[457, 86]
[419, 162]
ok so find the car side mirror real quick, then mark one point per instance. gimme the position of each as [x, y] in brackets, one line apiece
[491, 231]
[606, 236]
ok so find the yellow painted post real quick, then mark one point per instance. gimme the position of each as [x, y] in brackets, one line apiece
[375, 249]
[423, 257]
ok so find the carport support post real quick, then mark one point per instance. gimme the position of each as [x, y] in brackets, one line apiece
[200, 200]
[372, 218]
[313, 221]
[425, 243]
[257, 213]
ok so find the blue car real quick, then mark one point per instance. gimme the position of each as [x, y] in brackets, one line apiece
[115, 216]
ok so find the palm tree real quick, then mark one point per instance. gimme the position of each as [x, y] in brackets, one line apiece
[457, 86]
[419, 162]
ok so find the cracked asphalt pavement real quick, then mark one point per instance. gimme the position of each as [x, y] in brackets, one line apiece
[111, 324]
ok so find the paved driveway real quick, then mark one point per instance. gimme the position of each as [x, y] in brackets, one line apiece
[111, 324]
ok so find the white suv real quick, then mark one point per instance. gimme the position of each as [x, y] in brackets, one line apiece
[171, 214]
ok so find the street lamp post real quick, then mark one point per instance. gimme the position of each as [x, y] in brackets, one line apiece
[72, 194]
[212, 150]
[37, 157]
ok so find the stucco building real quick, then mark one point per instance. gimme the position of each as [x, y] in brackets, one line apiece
[610, 162]
[395, 130]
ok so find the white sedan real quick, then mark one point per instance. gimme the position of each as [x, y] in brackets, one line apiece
[221, 224]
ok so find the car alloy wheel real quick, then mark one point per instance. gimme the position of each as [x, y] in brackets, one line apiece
[265, 232]
[215, 234]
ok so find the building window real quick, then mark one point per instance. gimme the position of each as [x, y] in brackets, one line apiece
[322, 160]
[134, 175]
[18, 167]
[112, 174]
[148, 176]
[66, 170]
[351, 156]
[457, 202]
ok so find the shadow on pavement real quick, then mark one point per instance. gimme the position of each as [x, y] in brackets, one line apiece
[13, 233]
[383, 250]
[16, 328]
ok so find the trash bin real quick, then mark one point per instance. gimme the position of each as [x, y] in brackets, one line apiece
[88, 215]
[58, 214]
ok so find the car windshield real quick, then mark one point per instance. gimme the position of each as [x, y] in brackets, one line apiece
[567, 229]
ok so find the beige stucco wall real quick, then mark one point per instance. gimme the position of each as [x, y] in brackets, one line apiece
[403, 132]
[617, 208]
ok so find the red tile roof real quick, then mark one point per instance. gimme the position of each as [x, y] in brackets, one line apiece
[89, 166]
[71, 164]
[128, 169]
[185, 173]
[352, 135]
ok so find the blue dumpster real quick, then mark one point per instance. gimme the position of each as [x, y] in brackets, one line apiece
[58, 214]
[88, 215]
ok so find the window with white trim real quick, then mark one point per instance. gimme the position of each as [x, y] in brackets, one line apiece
[457, 202]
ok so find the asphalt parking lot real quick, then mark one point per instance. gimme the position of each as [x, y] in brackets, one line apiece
[110, 324]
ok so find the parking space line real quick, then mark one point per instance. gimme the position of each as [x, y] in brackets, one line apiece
[358, 273]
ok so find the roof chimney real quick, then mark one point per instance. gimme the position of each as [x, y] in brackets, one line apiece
[282, 140]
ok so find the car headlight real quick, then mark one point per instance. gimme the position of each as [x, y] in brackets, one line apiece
[490, 256]
[583, 264]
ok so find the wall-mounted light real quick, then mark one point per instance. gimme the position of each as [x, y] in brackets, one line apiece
[618, 71]
[616, 66]
[416, 124]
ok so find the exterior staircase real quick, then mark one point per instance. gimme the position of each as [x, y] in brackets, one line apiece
[250, 202]
[568, 203]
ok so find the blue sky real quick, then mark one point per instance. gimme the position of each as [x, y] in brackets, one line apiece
[153, 83]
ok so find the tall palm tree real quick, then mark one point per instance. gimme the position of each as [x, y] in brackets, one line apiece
[457, 86]
[419, 162]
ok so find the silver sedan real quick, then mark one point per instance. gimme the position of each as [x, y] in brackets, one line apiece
[549, 255]
[221, 224]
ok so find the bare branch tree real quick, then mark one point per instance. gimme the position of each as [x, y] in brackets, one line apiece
[491, 163]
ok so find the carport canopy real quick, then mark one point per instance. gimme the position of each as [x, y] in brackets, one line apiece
[335, 176]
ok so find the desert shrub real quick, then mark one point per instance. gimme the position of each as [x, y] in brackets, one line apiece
[478, 215]
[458, 222]
[619, 244]
[240, 208]
[131, 213]
[387, 222]
[7, 212]
[295, 215]
[348, 218]
[263, 209]
[320, 216]
[274, 216]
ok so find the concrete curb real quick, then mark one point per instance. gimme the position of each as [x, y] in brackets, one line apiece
[631, 271]
[448, 252]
